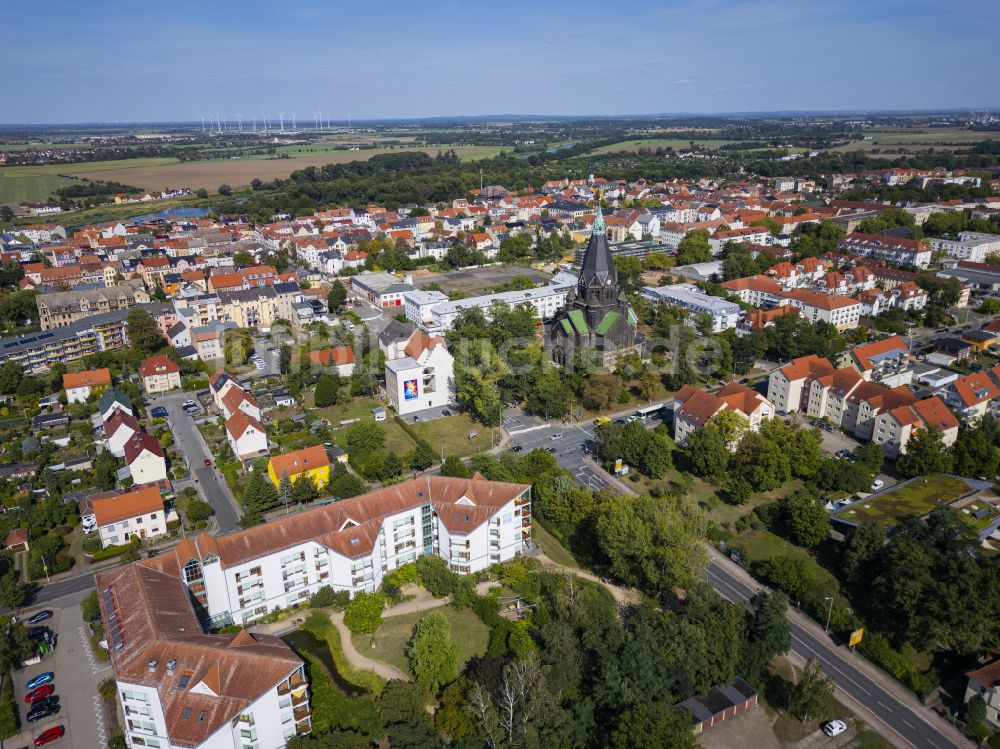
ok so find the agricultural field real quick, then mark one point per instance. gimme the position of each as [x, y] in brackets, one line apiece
[920, 140]
[239, 172]
[36, 183]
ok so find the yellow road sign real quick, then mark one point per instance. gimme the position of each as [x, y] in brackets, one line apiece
[856, 636]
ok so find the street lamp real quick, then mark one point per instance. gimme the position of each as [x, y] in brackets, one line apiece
[829, 613]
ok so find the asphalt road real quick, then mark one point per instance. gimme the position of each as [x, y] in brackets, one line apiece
[210, 483]
[884, 700]
[569, 450]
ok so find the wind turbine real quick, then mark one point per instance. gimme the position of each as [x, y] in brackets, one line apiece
[281, 119]
[293, 121]
[239, 121]
[203, 122]
[316, 120]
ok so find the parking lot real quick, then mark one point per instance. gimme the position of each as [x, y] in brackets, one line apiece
[77, 675]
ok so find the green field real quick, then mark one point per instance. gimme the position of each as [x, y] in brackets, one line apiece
[30, 188]
[911, 500]
[924, 137]
[451, 435]
[654, 143]
[469, 634]
[36, 183]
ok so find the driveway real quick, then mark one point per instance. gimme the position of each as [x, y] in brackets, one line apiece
[77, 675]
[210, 482]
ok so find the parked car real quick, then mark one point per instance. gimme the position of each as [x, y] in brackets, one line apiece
[36, 694]
[158, 413]
[834, 728]
[41, 711]
[843, 454]
[446, 412]
[41, 616]
[49, 735]
[52, 701]
[208, 462]
[46, 678]
[551, 450]
[877, 484]
[601, 421]
[188, 403]
[516, 448]
[556, 436]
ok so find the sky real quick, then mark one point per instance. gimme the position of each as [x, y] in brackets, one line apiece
[112, 61]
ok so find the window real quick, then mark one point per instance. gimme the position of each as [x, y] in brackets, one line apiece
[186, 714]
[153, 516]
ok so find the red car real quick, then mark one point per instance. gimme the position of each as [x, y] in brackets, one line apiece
[36, 694]
[49, 735]
[208, 462]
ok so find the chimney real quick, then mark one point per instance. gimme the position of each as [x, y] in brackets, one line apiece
[171, 665]
[152, 666]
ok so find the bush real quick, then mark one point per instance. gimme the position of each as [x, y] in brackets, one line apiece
[10, 723]
[879, 652]
[327, 597]
[435, 576]
[364, 614]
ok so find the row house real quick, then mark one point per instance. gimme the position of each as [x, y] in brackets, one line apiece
[973, 396]
[62, 308]
[880, 361]
[694, 408]
[259, 307]
[890, 249]
[894, 429]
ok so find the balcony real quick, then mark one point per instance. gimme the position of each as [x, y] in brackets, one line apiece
[300, 696]
[301, 714]
[293, 682]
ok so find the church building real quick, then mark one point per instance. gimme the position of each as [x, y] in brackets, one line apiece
[597, 315]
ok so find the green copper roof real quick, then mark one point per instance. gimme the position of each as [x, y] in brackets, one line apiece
[566, 326]
[607, 322]
[576, 317]
[598, 227]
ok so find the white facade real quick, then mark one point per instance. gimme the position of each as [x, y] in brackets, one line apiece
[147, 525]
[418, 305]
[249, 590]
[725, 314]
[147, 468]
[422, 383]
[971, 245]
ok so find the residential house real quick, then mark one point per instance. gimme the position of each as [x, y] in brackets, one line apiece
[121, 515]
[146, 460]
[891, 249]
[880, 361]
[970, 397]
[118, 430]
[693, 408]
[159, 375]
[247, 436]
[894, 429]
[787, 385]
[340, 358]
[113, 400]
[79, 386]
[309, 461]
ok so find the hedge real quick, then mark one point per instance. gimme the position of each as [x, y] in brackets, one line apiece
[111, 551]
[882, 654]
[10, 723]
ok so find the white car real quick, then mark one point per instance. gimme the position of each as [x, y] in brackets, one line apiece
[834, 728]
[556, 436]
[877, 484]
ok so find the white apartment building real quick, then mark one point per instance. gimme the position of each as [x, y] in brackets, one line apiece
[182, 688]
[973, 246]
[725, 314]
[890, 249]
[546, 301]
[417, 305]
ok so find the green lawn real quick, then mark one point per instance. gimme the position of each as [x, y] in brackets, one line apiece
[451, 435]
[396, 439]
[552, 548]
[469, 634]
[913, 499]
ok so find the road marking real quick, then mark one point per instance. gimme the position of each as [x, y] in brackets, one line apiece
[830, 664]
[908, 723]
[884, 705]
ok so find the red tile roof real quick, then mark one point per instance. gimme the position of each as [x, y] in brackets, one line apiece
[90, 378]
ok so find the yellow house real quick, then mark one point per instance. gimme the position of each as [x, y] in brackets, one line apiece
[980, 340]
[310, 460]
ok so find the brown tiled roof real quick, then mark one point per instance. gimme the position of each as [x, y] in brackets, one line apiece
[698, 406]
[141, 441]
[742, 398]
[156, 365]
[420, 342]
[987, 676]
[976, 388]
[864, 353]
[933, 412]
[146, 608]
[332, 526]
[119, 419]
[140, 501]
[239, 422]
[89, 378]
[339, 355]
[235, 397]
[807, 366]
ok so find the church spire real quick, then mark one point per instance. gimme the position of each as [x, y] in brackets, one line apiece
[598, 268]
[598, 227]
